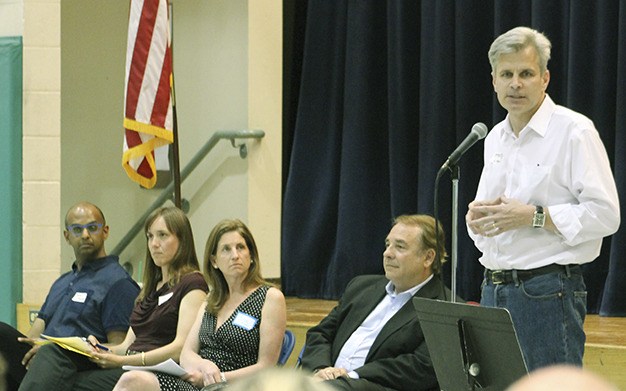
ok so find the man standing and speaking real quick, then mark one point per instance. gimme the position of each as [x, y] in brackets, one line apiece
[545, 200]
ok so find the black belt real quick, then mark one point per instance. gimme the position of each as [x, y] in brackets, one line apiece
[498, 277]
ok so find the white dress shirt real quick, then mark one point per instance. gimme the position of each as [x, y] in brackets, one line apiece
[356, 348]
[558, 162]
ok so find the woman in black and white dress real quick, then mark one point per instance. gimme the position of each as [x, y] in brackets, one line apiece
[240, 328]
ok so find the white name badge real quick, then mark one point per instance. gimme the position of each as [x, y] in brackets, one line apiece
[245, 321]
[496, 158]
[164, 298]
[80, 297]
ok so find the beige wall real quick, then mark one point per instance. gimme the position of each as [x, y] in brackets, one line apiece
[265, 112]
[11, 18]
[223, 82]
[41, 147]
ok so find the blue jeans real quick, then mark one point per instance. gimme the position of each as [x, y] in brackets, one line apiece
[548, 312]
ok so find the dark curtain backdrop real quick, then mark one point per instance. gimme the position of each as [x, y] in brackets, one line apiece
[379, 93]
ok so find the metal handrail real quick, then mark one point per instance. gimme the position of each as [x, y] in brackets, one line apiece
[193, 163]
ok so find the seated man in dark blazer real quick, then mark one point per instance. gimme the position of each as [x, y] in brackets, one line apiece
[372, 339]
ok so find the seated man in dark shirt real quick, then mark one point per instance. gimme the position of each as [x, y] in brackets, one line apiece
[95, 298]
[372, 340]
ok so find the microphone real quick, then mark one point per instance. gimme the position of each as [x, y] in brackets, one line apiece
[479, 131]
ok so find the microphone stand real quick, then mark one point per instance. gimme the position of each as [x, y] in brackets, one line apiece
[454, 174]
[479, 131]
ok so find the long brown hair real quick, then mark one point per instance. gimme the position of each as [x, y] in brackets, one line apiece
[218, 288]
[185, 260]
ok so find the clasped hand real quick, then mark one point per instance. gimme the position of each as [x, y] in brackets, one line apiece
[204, 374]
[493, 217]
[330, 373]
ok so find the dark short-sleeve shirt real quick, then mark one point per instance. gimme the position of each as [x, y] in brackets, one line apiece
[155, 319]
[95, 300]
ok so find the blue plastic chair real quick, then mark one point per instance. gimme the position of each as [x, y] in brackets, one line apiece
[299, 361]
[289, 341]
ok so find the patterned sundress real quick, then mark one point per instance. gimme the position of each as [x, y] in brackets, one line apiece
[234, 345]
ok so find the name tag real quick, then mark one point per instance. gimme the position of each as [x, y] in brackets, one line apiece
[79, 297]
[245, 321]
[164, 298]
[496, 158]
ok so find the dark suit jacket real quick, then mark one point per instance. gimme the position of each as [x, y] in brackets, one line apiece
[398, 358]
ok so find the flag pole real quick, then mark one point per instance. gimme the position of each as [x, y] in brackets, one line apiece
[175, 157]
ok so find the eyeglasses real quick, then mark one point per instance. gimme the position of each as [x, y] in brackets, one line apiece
[77, 229]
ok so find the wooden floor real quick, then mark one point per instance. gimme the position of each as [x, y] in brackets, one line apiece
[602, 330]
[307, 312]
[605, 350]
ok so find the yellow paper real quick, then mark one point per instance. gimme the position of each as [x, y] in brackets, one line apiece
[74, 344]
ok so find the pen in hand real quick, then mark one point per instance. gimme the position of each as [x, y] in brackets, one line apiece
[102, 347]
[96, 345]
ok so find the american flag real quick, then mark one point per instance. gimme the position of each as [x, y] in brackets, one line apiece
[148, 120]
